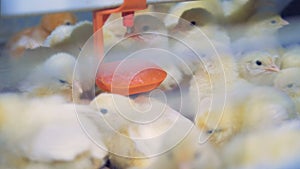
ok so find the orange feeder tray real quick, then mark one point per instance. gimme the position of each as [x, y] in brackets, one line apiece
[129, 77]
[126, 78]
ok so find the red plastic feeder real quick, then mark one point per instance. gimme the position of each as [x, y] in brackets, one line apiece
[129, 76]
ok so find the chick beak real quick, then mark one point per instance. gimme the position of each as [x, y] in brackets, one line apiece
[78, 87]
[284, 22]
[273, 68]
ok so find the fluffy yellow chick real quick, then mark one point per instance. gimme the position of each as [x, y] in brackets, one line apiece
[257, 108]
[45, 133]
[216, 75]
[54, 76]
[34, 37]
[269, 149]
[290, 58]
[145, 131]
[209, 8]
[194, 17]
[219, 122]
[258, 33]
[193, 152]
[258, 67]
[70, 38]
[287, 80]
[266, 106]
[261, 24]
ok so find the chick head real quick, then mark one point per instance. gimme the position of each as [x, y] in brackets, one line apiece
[288, 81]
[219, 123]
[268, 23]
[148, 28]
[257, 62]
[60, 69]
[194, 17]
[54, 76]
[50, 21]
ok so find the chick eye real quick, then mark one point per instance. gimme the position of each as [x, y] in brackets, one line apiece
[214, 131]
[290, 85]
[193, 23]
[258, 63]
[62, 81]
[273, 21]
[145, 28]
[67, 23]
[209, 131]
[103, 111]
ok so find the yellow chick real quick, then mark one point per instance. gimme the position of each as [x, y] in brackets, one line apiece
[145, 131]
[216, 75]
[290, 58]
[264, 107]
[287, 80]
[54, 76]
[218, 120]
[194, 17]
[258, 67]
[261, 24]
[34, 37]
[45, 133]
[242, 111]
[194, 151]
[70, 38]
[208, 8]
[258, 33]
[273, 148]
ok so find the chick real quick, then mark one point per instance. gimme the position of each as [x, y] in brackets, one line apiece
[145, 132]
[70, 38]
[243, 111]
[216, 75]
[34, 37]
[269, 149]
[194, 17]
[290, 58]
[54, 76]
[271, 108]
[191, 152]
[287, 80]
[45, 133]
[259, 33]
[217, 118]
[209, 9]
[258, 67]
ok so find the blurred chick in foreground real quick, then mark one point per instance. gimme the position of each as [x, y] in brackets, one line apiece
[258, 67]
[171, 141]
[34, 37]
[54, 76]
[288, 81]
[269, 149]
[45, 133]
